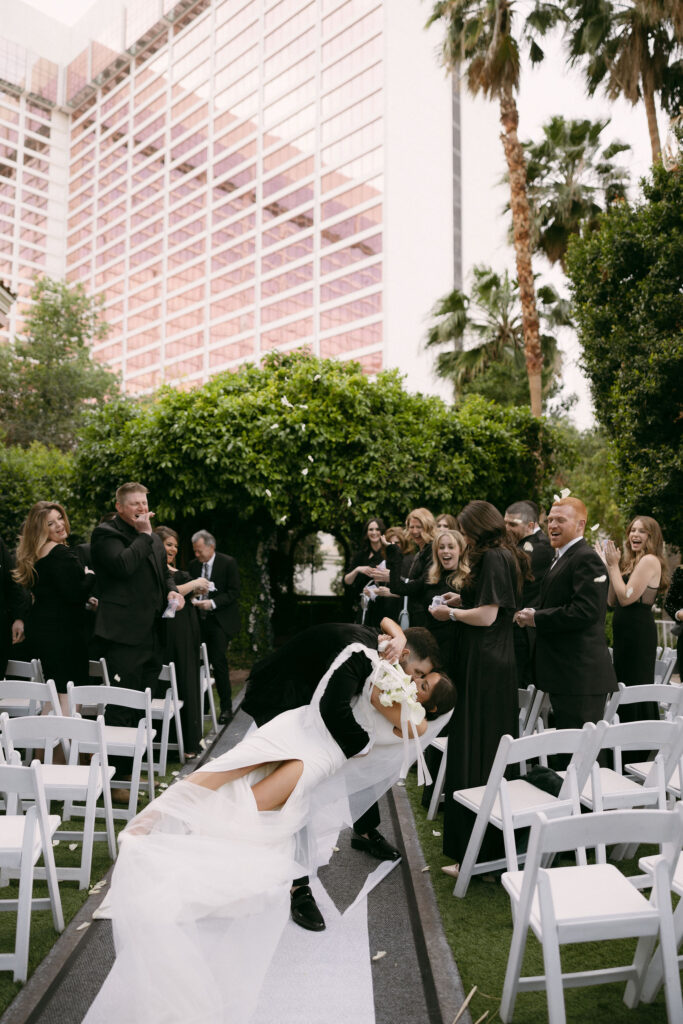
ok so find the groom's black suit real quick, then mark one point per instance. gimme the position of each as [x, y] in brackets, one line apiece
[572, 660]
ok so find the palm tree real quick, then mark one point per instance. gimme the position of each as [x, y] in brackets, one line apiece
[570, 180]
[630, 47]
[479, 36]
[484, 331]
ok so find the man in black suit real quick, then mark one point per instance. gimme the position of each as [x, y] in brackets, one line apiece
[219, 613]
[288, 677]
[572, 660]
[14, 605]
[521, 520]
[134, 586]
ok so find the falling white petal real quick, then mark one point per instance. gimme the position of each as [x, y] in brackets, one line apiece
[317, 377]
[594, 528]
[349, 503]
[285, 401]
[565, 492]
[310, 458]
[81, 927]
[435, 833]
[426, 868]
[304, 472]
[380, 954]
[629, 592]
[73, 846]
[269, 493]
[274, 426]
[556, 497]
[55, 842]
[599, 579]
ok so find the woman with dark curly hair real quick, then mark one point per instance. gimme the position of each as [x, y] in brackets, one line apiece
[485, 667]
[369, 556]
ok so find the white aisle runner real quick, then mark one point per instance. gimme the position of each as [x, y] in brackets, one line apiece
[324, 977]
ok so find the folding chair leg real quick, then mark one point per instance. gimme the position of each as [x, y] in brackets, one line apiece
[163, 746]
[553, 981]
[212, 707]
[21, 943]
[513, 971]
[471, 854]
[109, 817]
[179, 734]
[53, 888]
[671, 930]
[438, 789]
[88, 841]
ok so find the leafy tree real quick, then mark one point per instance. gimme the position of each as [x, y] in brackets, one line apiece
[588, 468]
[632, 48]
[570, 180]
[485, 333]
[47, 376]
[627, 284]
[480, 37]
[36, 473]
[272, 453]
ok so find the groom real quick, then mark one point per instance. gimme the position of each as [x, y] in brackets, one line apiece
[288, 677]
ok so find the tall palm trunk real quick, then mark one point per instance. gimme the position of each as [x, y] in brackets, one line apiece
[521, 225]
[651, 111]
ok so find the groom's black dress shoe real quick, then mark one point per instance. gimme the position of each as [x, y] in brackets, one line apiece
[225, 717]
[305, 911]
[376, 845]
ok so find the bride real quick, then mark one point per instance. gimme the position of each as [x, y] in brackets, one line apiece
[200, 892]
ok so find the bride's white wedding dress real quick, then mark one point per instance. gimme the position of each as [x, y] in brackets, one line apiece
[200, 892]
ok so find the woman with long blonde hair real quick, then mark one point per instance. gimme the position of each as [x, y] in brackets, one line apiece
[636, 576]
[59, 587]
[421, 530]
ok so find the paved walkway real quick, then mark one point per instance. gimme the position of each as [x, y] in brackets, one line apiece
[415, 983]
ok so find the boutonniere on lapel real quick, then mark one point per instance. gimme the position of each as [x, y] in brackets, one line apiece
[528, 546]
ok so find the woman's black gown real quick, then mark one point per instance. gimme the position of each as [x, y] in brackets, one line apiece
[487, 706]
[673, 602]
[635, 651]
[181, 642]
[410, 582]
[381, 606]
[56, 626]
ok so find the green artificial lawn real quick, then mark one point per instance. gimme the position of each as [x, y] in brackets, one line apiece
[479, 929]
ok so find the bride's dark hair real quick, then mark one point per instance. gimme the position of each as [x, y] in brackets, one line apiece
[443, 698]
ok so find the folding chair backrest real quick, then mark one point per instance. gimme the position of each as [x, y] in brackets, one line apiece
[103, 695]
[663, 670]
[665, 828]
[20, 783]
[671, 696]
[34, 692]
[582, 744]
[525, 699]
[36, 730]
[98, 670]
[31, 670]
[660, 737]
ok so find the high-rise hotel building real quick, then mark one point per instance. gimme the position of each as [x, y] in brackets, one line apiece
[233, 177]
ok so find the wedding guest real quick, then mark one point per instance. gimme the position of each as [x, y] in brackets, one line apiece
[219, 612]
[421, 529]
[59, 588]
[14, 606]
[521, 521]
[181, 645]
[370, 555]
[673, 604]
[485, 668]
[446, 575]
[635, 578]
[446, 522]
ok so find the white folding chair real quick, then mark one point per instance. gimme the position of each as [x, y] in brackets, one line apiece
[664, 668]
[121, 740]
[510, 804]
[97, 669]
[670, 698]
[206, 682]
[23, 840]
[537, 717]
[654, 976]
[28, 696]
[162, 710]
[72, 781]
[30, 670]
[593, 903]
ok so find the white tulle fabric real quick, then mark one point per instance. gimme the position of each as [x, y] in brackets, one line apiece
[200, 893]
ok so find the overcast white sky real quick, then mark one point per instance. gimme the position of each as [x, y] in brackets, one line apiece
[547, 90]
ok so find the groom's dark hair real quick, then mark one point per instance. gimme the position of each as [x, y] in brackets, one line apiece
[422, 643]
[443, 698]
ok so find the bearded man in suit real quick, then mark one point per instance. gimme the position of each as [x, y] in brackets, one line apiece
[521, 521]
[219, 612]
[572, 662]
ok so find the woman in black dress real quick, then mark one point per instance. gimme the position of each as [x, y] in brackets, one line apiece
[673, 604]
[635, 578]
[486, 675]
[405, 577]
[60, 589]
[370, 555]
[446, 575]
[181, 646]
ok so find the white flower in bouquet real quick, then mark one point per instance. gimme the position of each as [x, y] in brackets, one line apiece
[397, 688]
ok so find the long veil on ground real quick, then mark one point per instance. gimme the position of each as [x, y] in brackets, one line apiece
[200, 893]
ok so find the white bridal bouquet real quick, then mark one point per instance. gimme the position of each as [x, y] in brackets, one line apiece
[397, 688]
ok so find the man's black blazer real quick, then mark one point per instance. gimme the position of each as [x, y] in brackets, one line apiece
[133, 581]
[537, 547]
[571, 649]
[226, 576]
